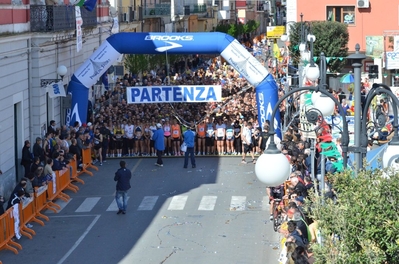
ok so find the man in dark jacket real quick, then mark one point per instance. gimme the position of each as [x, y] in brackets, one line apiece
[38, 151]
[27, 157]
[122, 178]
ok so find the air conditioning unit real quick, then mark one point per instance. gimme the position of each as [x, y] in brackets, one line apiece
[363, 3]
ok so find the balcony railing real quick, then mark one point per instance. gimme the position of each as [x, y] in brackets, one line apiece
[198, 9]
[58, 18]
[156, 10]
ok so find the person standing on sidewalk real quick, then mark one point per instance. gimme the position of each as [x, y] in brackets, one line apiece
[122, 178]
[247, 143]
[189, 139]
[159, 144]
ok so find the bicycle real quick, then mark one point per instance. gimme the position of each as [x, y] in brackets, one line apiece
[277, 214]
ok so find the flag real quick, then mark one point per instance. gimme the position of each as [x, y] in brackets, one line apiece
[89, 5]
[104, 80]
[56, 89]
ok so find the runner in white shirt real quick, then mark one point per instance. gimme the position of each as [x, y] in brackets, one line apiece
[129, 133]
[247, 143]
[220, 136]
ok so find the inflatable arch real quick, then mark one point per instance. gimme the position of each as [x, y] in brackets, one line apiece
[174, 43]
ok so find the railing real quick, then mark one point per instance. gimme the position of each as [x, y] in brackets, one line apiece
[156, 10]
[58, 18]
[198, 9]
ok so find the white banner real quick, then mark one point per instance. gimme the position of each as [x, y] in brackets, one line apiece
[99, 62]
[173, 94]
[392, 60]
[115, 25]
[15, 214]
[79, 22]
[246, 64]
[56, 89]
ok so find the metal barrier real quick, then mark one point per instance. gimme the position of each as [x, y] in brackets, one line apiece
[86, 162]
[14, 222]
[7, 232]
[26, 214]
[73, 168]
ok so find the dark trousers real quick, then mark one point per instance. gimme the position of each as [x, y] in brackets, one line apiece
[190, 151]
[237, 144]
[27, 169]
[159, 155]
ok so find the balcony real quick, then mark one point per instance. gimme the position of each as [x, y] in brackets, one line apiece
[156, 10]
[198, 9]
[127, 14]
[58, 18]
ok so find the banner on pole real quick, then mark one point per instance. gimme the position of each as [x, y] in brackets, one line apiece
[56, 89]
[79, 23]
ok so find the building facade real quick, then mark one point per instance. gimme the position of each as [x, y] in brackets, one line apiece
[30, 52]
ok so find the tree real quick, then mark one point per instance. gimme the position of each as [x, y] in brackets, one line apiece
[363, 226]
[236, 30]
[331, 38]
[137, 63]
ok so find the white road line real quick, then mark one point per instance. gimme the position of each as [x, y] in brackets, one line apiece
[79, 240]
[87, 205]
[238, 203]
[178, 202]
[265, 203]
[113, 206]
[148, 203]
[207, 203]
[61, 203]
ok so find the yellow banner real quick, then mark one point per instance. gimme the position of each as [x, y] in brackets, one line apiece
[275, 32]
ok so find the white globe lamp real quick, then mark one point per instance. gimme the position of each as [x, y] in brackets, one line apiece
[272, 167]
[325, 105]
[312, 72]
[62, 70]
[311, 38]
[390, 157]
[284, 37]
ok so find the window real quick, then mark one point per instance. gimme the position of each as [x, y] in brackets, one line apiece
[343, 14]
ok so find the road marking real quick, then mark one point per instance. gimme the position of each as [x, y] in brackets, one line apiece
[88, 204]
[114, 207]
[148, 203]
[178, 202]
[238, 203]
[265, 203]
[79, 240]
[207, 203]
[61, 203]
[136, 165]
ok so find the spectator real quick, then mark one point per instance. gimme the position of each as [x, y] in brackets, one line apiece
[159, 144]
[38, 150]
[15, 198]
[189, 139]
[27, 157]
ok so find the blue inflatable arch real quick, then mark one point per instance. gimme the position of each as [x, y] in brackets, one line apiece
[174, 43]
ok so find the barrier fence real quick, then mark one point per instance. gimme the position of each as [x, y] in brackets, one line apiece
[14, 222]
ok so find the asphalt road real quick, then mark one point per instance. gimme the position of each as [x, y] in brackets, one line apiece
[215, 213]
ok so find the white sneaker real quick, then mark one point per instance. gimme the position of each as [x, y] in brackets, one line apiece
[199, 153]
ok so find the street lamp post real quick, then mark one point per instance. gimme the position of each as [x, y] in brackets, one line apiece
[357, 64]
[273, 158]
[61, 71]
